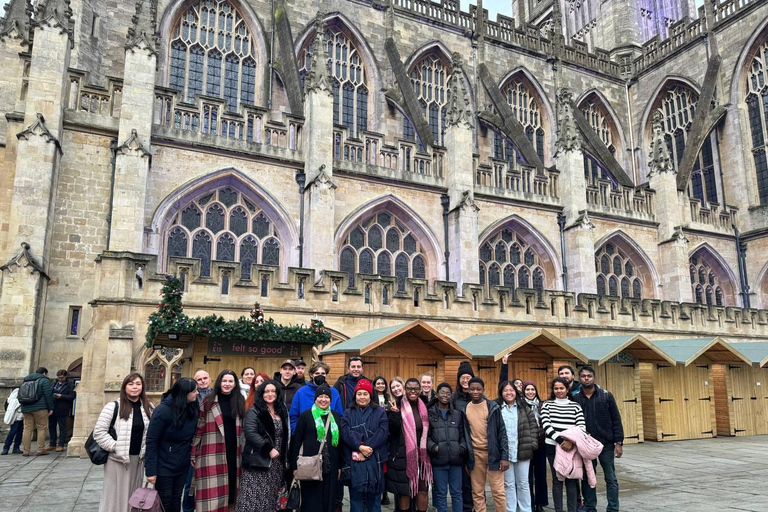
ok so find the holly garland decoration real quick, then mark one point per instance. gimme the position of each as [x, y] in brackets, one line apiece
[170, 318]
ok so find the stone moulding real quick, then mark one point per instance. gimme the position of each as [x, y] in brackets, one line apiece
[38, 128]
[23, 259]
[134, 145]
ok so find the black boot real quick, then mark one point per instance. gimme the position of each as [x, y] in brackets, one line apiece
[385, 498]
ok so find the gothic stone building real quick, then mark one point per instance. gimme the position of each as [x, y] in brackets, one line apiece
[587, 167]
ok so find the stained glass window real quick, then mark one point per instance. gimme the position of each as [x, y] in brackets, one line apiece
[527, 110]
[162, 368]
[705, 278]
[350, 95]
[74, 320]
[612, 264]
[224, 226]
[493, 254]
[429, 77]
[207, 33]
[757, 97]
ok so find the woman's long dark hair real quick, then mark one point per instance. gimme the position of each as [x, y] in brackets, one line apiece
[182, 409]
[376, 393]
[259, 403]
[126, 406]
[552, 388]
[237, 401]
[500, 399]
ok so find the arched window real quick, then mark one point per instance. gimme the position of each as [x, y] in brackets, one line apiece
[373, 245]
[350, 92]
[506, 255]
[212, 53]
[678, 105]
[224, 225]
[708, 286]
[615, 268]
[601, 122]
[757, 110]
[162, 369]
[429, 77]
[525, 105]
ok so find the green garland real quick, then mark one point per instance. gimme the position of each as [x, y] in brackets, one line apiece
[170, 318]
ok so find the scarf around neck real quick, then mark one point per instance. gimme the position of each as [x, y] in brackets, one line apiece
[319, 416]
[418, 465]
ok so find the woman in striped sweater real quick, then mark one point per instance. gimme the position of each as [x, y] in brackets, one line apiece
[558, 414]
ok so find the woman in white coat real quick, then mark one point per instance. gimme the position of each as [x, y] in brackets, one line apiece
[124, 469]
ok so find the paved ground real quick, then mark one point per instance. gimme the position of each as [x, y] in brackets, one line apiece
[725, 474]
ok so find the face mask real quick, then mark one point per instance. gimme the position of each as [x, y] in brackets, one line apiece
[318, 380]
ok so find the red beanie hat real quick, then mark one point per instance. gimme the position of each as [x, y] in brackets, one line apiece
[364, 385]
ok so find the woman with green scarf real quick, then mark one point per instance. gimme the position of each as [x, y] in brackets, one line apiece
[319, 496]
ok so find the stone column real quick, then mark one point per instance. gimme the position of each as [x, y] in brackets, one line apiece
[318, 166]
[671, 213]
[133, 156]
[579, 239]
[462, 216]
[33, 196]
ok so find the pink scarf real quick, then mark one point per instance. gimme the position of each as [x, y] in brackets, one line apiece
[418, 466]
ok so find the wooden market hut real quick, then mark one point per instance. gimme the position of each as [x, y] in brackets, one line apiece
[535, 356]
[687, 400]
[616, 360]
[404, 350]
[747, 391]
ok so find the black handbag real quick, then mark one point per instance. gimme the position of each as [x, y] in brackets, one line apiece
[294, 496]
[96, 453]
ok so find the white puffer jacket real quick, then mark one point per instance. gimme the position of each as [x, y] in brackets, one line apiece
[13, 413]
[118, 449]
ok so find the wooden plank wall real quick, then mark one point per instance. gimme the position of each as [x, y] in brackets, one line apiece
[623, 381]
[724, 420]
[649, 396]
[338, 364]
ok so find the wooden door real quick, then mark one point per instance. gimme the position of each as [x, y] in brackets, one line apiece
[760, 395]
[619, 379]
[742, 407]
[534, 371]
[699, 400]
[672, 413]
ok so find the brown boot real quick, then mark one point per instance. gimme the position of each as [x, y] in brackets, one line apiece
[40, 454]
[59, 448]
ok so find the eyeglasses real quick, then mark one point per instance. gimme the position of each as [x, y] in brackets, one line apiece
[270, 392]
[412, 389]
[444, 393]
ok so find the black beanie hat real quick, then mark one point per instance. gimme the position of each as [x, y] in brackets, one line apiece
[465, 368]
[323, 389]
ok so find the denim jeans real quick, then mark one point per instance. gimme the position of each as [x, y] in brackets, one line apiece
[187, 500]
[359, 501]
[606, 459]
[61, 422]
[14, 436]
[571, 486]
[516, 486]
[445, 477]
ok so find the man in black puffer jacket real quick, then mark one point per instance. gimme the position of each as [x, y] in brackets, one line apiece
[447, 449]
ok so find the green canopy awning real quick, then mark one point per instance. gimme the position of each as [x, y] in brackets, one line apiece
[687, 350]
[599, 349]
[497, 345]
[756, 351]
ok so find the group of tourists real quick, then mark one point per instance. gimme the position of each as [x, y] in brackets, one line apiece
[234, 443]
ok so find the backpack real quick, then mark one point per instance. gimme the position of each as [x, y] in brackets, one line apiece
[29, 392]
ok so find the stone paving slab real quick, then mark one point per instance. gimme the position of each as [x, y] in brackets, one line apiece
[708, 475]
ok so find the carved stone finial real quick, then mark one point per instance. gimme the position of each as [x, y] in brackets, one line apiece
[660, 161]
[584, 223]
[17, 21]
[679, 237]
[568, 138]
[322, 179]
[54, 13]
[458, 112]
[134, 146]
[318, 77]
[23, 259]
[39, 129]
[142, 34]
[468, 202]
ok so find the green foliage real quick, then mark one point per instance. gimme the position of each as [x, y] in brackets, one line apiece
[170, 318]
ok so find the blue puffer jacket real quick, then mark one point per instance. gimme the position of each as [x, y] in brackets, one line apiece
[168, 446]
[304, 399]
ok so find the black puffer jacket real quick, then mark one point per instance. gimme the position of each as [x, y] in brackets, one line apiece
[259, 431]
[498, 447]
[448, 434]
[397, 479]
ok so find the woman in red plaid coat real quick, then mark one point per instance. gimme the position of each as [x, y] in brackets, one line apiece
[216, 447]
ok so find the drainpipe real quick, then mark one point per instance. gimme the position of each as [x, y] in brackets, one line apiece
[741, 252]
[631, 133]
[112, 164]
[271, 62]
[301, 180]
[561, 224]
[445, 202]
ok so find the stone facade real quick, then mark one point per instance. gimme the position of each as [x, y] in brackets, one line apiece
[480, 174]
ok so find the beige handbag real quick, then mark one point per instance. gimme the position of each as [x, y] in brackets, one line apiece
[311, 468]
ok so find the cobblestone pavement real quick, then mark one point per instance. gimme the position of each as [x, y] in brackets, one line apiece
[725, 474]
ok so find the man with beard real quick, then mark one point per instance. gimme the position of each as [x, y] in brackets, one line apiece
[566, 372]
[305, 396]
[301, 366]
[346, 383]
[286, 379]
[603, 421]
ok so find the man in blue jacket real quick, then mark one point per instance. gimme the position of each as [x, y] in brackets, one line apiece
[305, 396]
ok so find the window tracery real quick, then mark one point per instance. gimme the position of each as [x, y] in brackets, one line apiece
[617, 274]
[225, 226]
[705, 283]
[212, 53]
[507, 260]
[429, 77]
[162, 369]
[384, 245]
[350, 92]
[757, 112]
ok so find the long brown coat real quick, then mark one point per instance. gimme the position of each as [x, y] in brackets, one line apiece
[209, 456]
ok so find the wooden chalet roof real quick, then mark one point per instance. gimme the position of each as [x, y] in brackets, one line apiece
[497, 345]
[599, 349]
[688, 350]
[756, 351]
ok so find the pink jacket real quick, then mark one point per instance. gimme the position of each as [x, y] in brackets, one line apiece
[573, 463]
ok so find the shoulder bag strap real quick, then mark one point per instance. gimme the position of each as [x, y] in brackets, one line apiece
[114, 415]
[327, 423]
